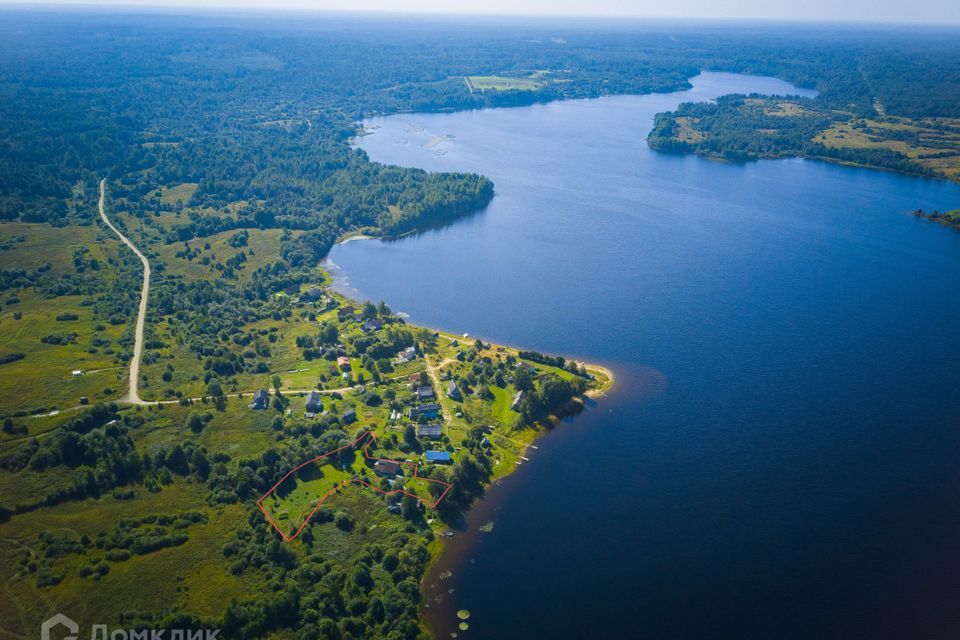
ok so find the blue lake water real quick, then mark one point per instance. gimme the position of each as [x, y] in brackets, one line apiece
[780, 457]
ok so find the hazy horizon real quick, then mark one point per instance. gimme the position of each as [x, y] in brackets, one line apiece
[922, 11]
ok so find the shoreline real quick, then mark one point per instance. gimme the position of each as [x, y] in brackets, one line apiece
[440, 547]
[446, 552]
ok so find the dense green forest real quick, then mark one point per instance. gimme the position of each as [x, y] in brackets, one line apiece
[260, 111]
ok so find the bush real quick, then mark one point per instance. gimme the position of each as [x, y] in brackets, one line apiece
[343, 521]
[11, 357]
[118, 555]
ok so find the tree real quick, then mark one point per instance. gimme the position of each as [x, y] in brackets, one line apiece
[177, 460]
[523, 379]
[200, 464]
[214, 389]
[409, 507]
[343, 521]
[195, 422]
[383, 310]
[216, 392]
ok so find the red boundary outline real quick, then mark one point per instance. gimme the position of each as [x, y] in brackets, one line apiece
[354, 480]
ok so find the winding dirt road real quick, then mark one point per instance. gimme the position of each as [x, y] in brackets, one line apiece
[133, 397]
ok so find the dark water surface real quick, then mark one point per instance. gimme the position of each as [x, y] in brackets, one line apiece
[780, 457]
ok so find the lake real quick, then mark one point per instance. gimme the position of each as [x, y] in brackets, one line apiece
[780, 457]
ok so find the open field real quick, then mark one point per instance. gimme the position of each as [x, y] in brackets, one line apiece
[504, 83]
[180, 193]
[190, 576]
[207, 258]
[932, 143]
[51, 326]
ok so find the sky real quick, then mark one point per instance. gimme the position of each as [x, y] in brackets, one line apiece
[931, 11]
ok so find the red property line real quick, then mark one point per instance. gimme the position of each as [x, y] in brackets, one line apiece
[355, 480]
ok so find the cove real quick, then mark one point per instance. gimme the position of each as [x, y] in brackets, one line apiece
[779, 457]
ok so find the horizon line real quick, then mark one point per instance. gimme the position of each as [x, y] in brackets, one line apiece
[182, 6]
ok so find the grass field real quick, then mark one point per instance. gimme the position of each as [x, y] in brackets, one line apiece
[191, 577]
[918, 140]
[42, 379]
[291, 503]
[504, 83]
[209, 254]
[177, 193]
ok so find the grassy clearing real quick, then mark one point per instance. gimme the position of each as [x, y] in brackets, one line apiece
[177, 193]
[687, 131]
[504, 83]
[29, 246]
[42, 379]
[205, 258]
[190, 577]
[291, 503]
[923, 141]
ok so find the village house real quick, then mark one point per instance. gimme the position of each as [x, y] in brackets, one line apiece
[453, 392]
[373, 324]
[515, 405]
[260, 399]
[437, 457]
[312, 294]
[346, 312]
[406, 355]
[314, 404]
[425, 393]
[429, 430]
[387, 468]
[525, 365]
[428, 411]
[343, 362]
[349, 416]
